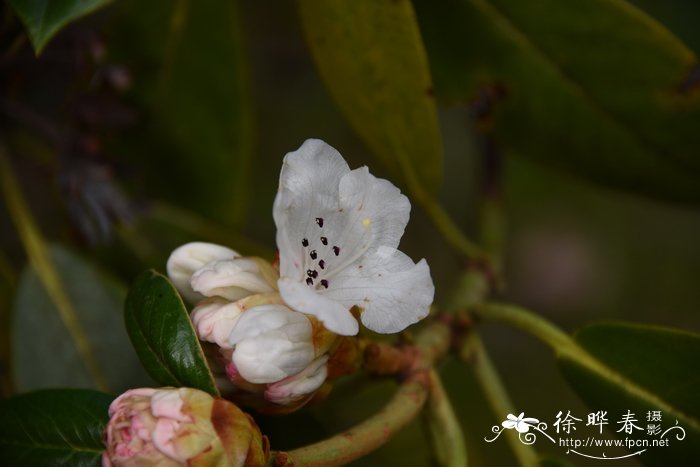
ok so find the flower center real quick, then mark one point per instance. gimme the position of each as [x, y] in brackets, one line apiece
[323, 258]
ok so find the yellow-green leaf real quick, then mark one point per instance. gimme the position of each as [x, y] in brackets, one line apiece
[371, 58]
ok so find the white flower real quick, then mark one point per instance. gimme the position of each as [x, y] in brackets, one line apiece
[337, 233]
[521, 424]
[271, 343]
[190, 257]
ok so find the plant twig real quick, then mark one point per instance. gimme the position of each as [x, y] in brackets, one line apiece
[363, 438]
[446, 433]
[474, 353]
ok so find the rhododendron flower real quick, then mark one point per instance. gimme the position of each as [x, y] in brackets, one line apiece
[337, 233]
[180, 427]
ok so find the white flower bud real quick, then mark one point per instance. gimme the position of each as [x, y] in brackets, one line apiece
[272, 342]
[299, 386]
[231, 279]
[188, 258]
[213, 320]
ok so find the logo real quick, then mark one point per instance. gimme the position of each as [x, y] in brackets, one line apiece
[590, 441]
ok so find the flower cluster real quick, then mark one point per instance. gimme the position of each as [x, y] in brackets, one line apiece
[276, 326]
[177, 427]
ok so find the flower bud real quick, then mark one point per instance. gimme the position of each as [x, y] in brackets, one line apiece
[213, 320]
[300, 386]
[232, 279]
[271, 343]
[188, 258]
[174, 427]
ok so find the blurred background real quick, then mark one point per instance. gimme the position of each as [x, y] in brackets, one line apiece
[141, 127]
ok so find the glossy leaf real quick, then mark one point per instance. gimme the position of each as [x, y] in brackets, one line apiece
[45, 18]
[53, 427]
[371, 58]
[191, 90]
[645, 368]
[595, 87]
[43, 353]
[163, 336]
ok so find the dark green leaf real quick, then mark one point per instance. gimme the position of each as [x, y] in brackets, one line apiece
[191, 87]
[44, 18]
[43, 352]
[595, 87]
[53, 427]
[645, 368]
[371, 57]
[163, 336]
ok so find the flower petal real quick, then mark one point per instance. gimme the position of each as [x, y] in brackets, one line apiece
[186, 259]
[393, 291]
[231, 279]
[335, 316]
[308, 189]
[271, 342]
[322, 205]
[300, 385]
[213, 320]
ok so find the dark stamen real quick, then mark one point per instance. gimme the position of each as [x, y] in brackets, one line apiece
[336, 250]
[313, 254]
[312, 273]
[322, 264]
[324, 283]
[324, 240]
[319, 221]
[304, 242]
[309, 281]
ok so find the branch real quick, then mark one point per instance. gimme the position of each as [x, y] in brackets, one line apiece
[474, 353]
[365, 437]
[446, 433]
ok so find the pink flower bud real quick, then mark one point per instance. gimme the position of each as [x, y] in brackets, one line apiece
[173, 427]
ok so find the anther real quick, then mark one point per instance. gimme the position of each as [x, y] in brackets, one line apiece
[304, 242]
[324, 240]
[336, 250]
[324, 283]
[319, 221]
[313, 254]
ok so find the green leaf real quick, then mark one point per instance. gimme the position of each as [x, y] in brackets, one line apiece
[371, 58]
[642, 368]
[45, 18]
[163, 336]
[43, 353]
[53, 427]
[191, 86]
[594, 87]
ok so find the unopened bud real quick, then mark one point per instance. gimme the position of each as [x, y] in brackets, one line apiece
[300, 386]
[190, 257]
[272, 342]
[184, 426]
[232, 279]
